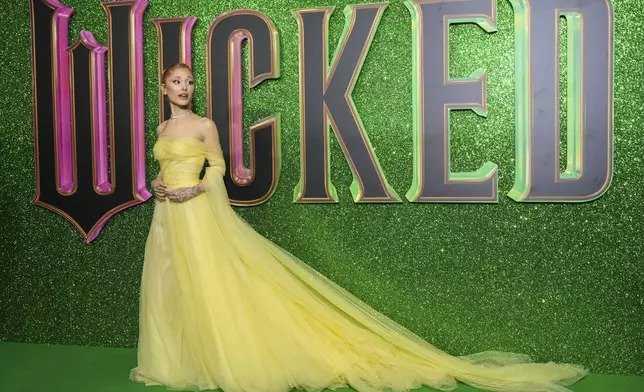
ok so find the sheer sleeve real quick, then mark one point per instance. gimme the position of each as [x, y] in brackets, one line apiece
[214, 155]
[213, 182]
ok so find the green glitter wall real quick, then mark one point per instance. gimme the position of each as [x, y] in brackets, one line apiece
[562, 282]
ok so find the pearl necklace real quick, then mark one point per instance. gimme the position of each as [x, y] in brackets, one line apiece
[181, 115]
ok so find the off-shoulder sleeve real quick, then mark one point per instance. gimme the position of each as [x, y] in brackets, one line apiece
[214, 155]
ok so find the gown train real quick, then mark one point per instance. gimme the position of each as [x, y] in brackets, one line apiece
[223, 307]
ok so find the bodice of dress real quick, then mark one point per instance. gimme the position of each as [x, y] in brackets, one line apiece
[181, 159]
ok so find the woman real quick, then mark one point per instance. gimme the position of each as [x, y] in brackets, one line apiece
[223, 307]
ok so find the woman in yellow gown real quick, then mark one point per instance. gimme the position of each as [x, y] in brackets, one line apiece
[223, 307]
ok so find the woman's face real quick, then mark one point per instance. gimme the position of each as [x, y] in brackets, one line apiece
[179, 86]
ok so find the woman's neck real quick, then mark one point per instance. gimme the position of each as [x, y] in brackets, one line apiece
[177, 112]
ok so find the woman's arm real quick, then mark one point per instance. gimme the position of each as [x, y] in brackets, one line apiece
[157, 184]
[213, 148]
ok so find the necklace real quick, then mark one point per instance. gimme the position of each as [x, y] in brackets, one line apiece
[181, 115]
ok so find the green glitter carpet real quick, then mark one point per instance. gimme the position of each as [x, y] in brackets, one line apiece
[42, 368]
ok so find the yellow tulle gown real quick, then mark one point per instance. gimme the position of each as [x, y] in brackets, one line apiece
[223, 307]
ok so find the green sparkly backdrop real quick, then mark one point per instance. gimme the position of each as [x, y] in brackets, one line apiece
[562, 282]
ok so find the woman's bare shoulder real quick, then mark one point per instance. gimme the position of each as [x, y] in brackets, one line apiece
[206, 122]
[207, 127]
[161, 128]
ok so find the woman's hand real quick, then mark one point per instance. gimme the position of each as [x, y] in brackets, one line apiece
[159, 189]
[181, 195]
